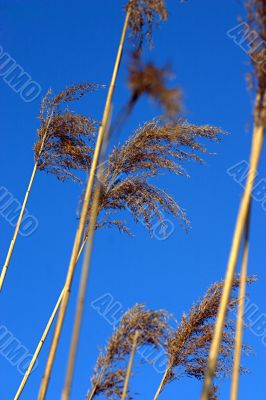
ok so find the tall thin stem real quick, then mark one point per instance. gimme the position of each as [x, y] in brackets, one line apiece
[44, 336]
[18, 224]
[81, 296]
[257, 142]
[157, 394]
[85, 272]
[22, 211]
[38, 348]
[240, 317]
[130, 365]
[82, 222]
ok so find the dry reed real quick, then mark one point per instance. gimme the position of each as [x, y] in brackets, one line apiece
[144, 15]
[84, 212]
[188, 346]
[257, 20]
[57, 135]
[146, 78]
[240, 316]
[110, 371]
[156, 147]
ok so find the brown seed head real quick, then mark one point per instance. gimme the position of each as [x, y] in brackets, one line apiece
[144, 15]
[111, 365]
[156, 147]
[65, 139]
[150, 80]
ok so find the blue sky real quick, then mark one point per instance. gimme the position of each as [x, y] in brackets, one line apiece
[59, 43]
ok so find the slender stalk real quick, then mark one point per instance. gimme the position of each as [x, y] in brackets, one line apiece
[130, 365]
[257, 142]
[157, 394]
[81, 297]
[18, 224]
[21, 214]
[43, 338]
[38, 348]
[240, 317]
[93, 389]
[85, 272]
[84, 212]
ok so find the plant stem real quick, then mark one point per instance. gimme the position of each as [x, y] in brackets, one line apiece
[21, 214]
[240, 317]
[84, 213]
[18, 224]
[85, 271]
[81, 296]
[43, 338]
[130, 365]
[38, 348]
[161, 384]
[257, 142]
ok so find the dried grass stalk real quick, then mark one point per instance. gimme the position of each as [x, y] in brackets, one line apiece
[110, 371]
[130, 365]
[240, 317]
[189, 344]
[60, 147]
[82, 222]
[44, 336]
[257, 18]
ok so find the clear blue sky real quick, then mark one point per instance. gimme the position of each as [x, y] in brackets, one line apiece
[62, 42]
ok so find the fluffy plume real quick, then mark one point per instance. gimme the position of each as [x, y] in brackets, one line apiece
[144, 15]
[150, 80]
[156, 147]
[188, 346]
[256, 18]
[147, 79]
[110, 370]
[65, 139]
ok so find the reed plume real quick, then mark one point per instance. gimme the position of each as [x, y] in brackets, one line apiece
[144, 15]
[188, 346]
[256, 17]
[110, 371]
[59, 148]
[147, 79]
[156, 147]
[66, 139]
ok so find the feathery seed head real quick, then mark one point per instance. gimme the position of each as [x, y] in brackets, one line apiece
[144, 15]
[65, 139]
[111, 365]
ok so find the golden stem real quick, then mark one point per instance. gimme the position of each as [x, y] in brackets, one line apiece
[82, 222]
[21, 214]
[257, 142]
[43, 338]
[130, 365]
[240, 318]
[157, 394]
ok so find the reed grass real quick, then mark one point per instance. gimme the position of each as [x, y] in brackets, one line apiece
[130, 365]
[188, 345]
[256, 17]
[44, 336]
[240, 316]
[111, 368]
[60, 147]
[82, 222]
